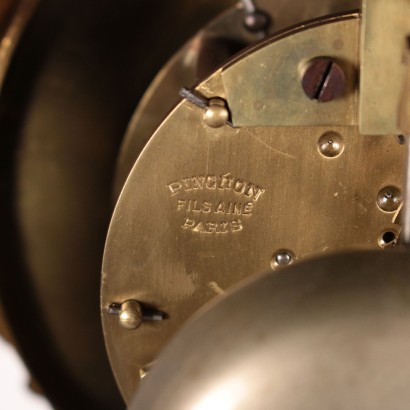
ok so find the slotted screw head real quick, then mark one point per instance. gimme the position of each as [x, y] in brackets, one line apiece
[323, 79]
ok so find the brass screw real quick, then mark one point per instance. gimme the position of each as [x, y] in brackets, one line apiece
[331, 144]
[389, 199]
[323, 79]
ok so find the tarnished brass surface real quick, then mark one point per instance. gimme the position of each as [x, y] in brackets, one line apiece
[204, 208]
[278, 99]
[384, 31]
[184, 68]
[331, 333]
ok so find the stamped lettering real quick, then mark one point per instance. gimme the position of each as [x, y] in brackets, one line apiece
[202, 215]
[224, 182]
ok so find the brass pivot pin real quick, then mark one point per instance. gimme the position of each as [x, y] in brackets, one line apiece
[132, 314]
[216, 112]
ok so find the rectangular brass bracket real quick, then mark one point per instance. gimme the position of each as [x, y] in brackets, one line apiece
[385, 28]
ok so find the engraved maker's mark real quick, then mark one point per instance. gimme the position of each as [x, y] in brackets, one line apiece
[215, 216]
[215, 207]
[224, 182]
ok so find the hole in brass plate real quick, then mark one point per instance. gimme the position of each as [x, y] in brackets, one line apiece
[388, 238]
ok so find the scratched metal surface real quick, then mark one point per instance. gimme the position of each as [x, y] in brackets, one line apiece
[204, 208]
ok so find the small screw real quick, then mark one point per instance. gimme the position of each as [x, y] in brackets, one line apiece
[331, 144]
[282, 257]
[389, 199]
[132, 314]
[323, 79]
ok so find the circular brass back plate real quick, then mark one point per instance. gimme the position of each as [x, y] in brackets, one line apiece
[204, 208]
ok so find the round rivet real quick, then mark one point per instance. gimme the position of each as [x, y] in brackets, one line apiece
[389, 199]
[216, 114]
[331, 144]
[282, 257]
[131, 315]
